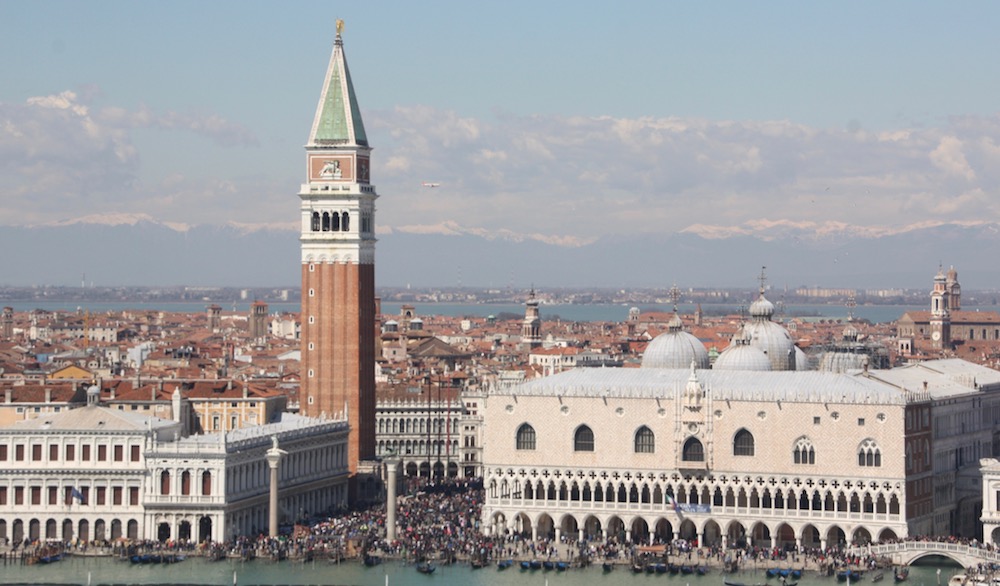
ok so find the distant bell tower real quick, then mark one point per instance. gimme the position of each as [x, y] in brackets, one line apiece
[7, 324]
[214, 313]
[531, 328]
[940, 322]
[338, 264]
[954, 290]
[258, 320]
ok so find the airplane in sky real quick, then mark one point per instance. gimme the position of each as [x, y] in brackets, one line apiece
[430, 184]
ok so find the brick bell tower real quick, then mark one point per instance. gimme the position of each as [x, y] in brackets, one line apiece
[338, 265]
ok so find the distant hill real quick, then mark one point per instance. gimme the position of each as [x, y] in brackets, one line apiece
[136, 250]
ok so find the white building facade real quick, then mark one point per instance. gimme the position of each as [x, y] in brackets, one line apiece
[773, 458]
[100, 474]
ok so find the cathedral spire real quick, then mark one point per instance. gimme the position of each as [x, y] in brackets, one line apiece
[338, 118]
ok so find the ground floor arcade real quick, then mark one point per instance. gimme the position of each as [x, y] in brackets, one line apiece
[705, 529]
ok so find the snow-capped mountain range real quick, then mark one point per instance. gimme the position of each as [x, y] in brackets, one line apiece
[136, 249]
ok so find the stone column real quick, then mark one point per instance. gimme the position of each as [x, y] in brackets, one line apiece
[391, 466]
[274, 456]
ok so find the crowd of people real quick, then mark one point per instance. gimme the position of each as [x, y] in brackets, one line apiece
[440, 520]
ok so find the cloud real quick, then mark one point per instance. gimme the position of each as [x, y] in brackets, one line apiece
[948, 157]
[563, 179]
[582, 177]
[61, 157]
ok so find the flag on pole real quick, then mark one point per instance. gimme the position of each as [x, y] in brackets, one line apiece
[673, 504]
[77, 495]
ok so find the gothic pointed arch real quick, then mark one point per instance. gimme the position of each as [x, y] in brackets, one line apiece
[525, 437]
[803, 452]
[743, 443]
[644, 441]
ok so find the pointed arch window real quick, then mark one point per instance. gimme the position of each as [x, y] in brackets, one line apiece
[693, 451]
[525, 437]
[743, 443]
[645, 441]
[583, 439]
[804, 452]
[869, 454]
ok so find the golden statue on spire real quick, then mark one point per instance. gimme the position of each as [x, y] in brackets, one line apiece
[340, 26]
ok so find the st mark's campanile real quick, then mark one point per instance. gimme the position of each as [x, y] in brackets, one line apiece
[338, 264]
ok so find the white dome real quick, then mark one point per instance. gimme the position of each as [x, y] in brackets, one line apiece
[801, 360]
[762, 308]
[741, 356]
[842, 362]
[773, 340]
[675, 349]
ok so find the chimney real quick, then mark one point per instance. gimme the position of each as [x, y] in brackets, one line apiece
[48, 395]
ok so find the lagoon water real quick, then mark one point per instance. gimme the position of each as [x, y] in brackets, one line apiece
[198, 571]
[566, 312]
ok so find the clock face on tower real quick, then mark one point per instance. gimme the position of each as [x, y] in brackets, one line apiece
[936, 336]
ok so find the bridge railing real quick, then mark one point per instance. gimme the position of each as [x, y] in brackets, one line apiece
[943, 548]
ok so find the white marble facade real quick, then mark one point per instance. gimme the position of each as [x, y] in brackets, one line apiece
[778, 458]
[99, 474]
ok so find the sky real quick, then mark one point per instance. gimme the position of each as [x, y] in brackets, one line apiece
[558, 121]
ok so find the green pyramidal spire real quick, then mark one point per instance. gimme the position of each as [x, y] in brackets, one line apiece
[338, 118]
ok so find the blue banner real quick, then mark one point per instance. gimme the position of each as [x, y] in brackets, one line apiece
[697, 508]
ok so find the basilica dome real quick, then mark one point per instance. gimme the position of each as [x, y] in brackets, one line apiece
[675, 349]
[769, 337]
[740, 355]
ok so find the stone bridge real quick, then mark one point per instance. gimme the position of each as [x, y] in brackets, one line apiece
[907, 552]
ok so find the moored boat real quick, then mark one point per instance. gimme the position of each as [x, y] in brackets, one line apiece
[425, 568]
